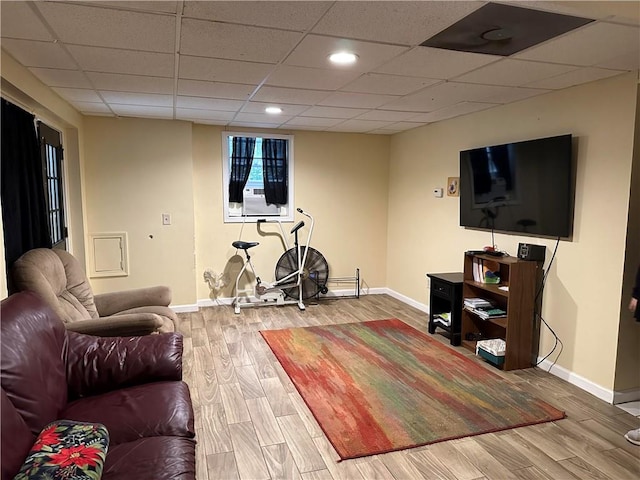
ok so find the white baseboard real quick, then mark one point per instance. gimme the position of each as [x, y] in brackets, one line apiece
[184, 308]
[626, 396]
[579, 381]
[407, 300]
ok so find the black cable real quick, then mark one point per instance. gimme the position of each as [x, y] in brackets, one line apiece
[557, 339]
[555, 345]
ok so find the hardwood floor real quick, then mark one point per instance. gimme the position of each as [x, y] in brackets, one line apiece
[251, 423]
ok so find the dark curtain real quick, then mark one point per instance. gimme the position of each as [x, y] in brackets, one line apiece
[275, 167]
[241, 160]
[24, 210]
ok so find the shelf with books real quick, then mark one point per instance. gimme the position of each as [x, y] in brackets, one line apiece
[514, 322]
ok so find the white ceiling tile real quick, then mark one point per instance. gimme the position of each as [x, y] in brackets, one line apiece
[128, 98]
[78, 94]
[113, 60]
[143, 111]
[387, 84]
[435, 63]
[314, 78]
[511, 94]
[289, 95]
[442, 95]
[204, 103]
[92, 108]
[237, 42]
[106, 27]
[198, 88]
[334, 112]
[575, 77]
[314, 51]
[615, 11]
[131, 83]
[313, 122]
[360, 126]
[408, 23]
[262, 118]
[61, 78]
[195, 114]
[590, 45]
[356, 100]
[39, 54]
[289, 110]
[220, 70]
[404, 126]
[628, 61]
[461, 108]
[19, 21]
[386, 115]
[148, 6]
[282, 14]
[513, 73]
[254, 125]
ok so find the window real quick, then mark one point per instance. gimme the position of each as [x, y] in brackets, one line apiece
[51, 152]
[257, 176]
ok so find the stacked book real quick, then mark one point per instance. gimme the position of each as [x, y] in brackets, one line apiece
[483, 308]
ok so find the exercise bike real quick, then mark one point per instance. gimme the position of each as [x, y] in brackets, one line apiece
[301, 272]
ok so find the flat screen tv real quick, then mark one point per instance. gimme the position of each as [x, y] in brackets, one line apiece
[522, 187]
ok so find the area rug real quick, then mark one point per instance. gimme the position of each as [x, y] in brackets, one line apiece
[379, 386]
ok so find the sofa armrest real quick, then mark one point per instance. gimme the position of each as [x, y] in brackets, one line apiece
[126, 325]
[100, 364]
[114, 302]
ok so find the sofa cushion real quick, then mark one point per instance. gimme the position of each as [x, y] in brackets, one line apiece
[156, 457]
[16, 438]
[32, 359]
[100, 364]
[153, 409]
[67, 450]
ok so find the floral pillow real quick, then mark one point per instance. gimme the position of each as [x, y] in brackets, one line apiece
[67, 450]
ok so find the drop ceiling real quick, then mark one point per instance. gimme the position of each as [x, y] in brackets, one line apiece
[222, 63]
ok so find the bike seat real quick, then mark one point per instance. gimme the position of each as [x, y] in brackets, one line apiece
[244, 245]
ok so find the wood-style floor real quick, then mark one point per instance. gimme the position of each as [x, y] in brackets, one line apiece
[251, 423]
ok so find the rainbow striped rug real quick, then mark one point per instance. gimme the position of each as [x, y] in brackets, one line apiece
[380, 386]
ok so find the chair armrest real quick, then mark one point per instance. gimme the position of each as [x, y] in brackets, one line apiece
[126, 325]
[100, 364]
[114, 302]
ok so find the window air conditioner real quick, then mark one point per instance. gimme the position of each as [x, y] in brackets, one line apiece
[255, 204]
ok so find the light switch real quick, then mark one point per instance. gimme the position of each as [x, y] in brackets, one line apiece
[166, 219]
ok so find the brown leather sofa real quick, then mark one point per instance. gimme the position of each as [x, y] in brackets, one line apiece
[131, 385]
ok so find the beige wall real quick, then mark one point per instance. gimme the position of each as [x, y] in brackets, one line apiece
[582, 295]
[136, 170]
[341, 179]
[628, 361]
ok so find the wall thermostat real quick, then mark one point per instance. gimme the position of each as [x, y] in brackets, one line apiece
[437, 192]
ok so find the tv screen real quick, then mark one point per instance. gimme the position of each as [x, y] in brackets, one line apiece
[523, 187]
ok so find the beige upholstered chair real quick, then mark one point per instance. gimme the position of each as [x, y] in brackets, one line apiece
[58, 277]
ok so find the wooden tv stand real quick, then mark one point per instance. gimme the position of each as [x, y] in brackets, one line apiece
[515, 294]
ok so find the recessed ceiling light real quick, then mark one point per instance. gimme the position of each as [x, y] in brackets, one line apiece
[273, 110]
[343, 58]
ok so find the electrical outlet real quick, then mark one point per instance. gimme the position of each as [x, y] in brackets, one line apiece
[166, 219]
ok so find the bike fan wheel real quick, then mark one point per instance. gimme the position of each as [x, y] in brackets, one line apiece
[315, 272]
